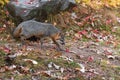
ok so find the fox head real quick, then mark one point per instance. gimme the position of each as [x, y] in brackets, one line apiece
[62, 40]
[60, 36]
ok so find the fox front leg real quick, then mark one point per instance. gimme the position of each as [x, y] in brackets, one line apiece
[24, 40]
[58, 46]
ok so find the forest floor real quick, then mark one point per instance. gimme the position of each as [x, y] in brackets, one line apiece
[81, 60]
[91, 50]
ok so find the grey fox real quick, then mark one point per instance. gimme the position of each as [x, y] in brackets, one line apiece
[31, 28]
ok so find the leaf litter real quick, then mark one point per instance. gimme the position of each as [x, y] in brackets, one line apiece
[96, 57]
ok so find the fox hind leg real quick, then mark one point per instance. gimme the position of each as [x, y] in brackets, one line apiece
[41, 43]
[23, 42]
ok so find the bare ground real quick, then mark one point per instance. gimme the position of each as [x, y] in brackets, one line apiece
[79, 61]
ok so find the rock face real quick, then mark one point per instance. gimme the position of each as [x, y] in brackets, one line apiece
[22, 10]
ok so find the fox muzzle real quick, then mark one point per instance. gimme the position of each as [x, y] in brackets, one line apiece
[62, 41]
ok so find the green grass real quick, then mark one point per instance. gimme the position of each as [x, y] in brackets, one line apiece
[2, 57]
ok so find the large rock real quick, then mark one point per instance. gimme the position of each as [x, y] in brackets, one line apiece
[22, 10]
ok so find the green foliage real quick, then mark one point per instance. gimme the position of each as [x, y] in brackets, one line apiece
[3, 2]
[3, 13]
[113, 3]
[2, 55]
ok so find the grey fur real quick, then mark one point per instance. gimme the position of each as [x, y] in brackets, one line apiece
[31, 28]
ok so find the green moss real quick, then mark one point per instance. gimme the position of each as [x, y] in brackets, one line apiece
[2, 56]
[105, 27]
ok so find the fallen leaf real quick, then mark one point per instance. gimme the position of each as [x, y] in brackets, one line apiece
[7, 50]
[90, 59]
[2, 69]
[23, 69]
[110, 57]
[9, 68]
[29, 48]
[67, 50]
[62, 70]
[56, 66]
[107, 52]
[30, 60]
[83, 32]
[46, 73]
[50, 65]
[78, 36]
[82, 68]
[67, 58]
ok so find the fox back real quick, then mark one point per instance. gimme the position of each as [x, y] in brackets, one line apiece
[33, 28]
